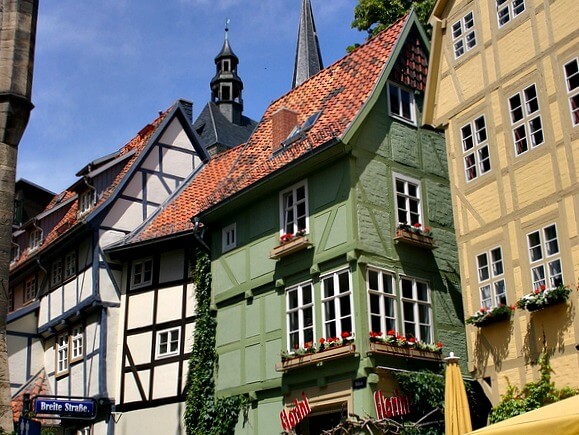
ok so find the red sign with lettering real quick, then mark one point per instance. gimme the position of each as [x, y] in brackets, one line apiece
[290, 419]
[388, 407]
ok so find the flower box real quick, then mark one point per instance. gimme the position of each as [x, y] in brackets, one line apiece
[406, 352]
[544, 298]
[414, 238]
[287, 248]
[484, 316]
[315, 358]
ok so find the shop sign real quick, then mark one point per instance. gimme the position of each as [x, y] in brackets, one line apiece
[74, 408]
[388, 407]
[290, 419]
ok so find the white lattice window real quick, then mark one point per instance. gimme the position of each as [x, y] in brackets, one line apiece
[300, 316]
[475, 148]
[29, 289]
[544, 254]
[294, 209]
[337, 310]
[62, 356]
[77, 342]
[229, 237]
[56, 273]
[85, 202]
[168, 342]
[526, 120]
[463, 35]
[142, 273]
[408, 204]
[416, 309]
[401, 103]
[35, 239]
[491, 278]
[381, 300]
[70, 265]
[509, 9]
[572, 86]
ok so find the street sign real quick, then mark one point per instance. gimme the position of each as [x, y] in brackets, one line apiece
[28, 427]
[65, 408]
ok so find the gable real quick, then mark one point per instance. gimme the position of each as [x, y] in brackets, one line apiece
[411, 66]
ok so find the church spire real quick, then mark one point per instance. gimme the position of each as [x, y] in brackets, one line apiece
[308, 55]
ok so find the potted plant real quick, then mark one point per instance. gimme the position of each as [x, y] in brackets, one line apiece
[414, 234]
[486, 316]
[543, 297]
[290, 243]
[398, 344]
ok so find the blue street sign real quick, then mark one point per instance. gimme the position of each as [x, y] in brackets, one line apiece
[65, 408]
[28, 427]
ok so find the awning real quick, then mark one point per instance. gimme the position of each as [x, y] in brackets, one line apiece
[560, 417]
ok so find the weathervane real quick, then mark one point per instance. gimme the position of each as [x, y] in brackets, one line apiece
[227, 27]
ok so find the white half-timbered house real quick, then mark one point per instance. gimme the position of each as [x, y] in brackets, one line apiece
[65, 312]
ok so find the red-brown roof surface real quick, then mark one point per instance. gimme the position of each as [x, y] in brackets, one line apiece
[36, 386]
[339, 91]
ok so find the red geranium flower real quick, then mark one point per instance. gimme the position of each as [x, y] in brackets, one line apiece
[417, 225]
[392, 332]
[322, 340]
[345, 334]
[412, 340]
[439, 345]
[543, 287]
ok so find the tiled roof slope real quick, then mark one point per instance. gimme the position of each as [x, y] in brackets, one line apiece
[70, 219]
[37, 385]
[339, 91]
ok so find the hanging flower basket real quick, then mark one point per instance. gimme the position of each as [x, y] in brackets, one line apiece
[544, 297]
[290, 243]
[484, 316]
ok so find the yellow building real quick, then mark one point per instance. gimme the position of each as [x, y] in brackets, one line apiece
[504, 84]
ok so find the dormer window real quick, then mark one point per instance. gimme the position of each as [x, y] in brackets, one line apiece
[35, 239]
[401, 102]
[85, 202]
[299, 131]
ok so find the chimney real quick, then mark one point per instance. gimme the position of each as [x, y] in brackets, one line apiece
[282, 123]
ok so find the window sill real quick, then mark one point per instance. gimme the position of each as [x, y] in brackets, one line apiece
[316, 358]
[297, 244]
[386, 349]
[414, 239]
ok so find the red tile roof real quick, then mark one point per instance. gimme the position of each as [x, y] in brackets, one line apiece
[339, 92]
[36, 386]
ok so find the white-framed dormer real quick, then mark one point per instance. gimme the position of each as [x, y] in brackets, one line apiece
[35, 239]
[401, 103]
[229, 237]
[85, 202]
[294, 209]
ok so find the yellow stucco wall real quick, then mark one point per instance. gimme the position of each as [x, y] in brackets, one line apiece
[520, 194]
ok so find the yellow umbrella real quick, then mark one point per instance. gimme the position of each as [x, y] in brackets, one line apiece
[560, 417]
[456, 411]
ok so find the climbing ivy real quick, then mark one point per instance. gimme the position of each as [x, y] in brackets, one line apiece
[533, 395]
[204, 414]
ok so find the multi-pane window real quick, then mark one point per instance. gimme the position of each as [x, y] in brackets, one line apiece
[491, 278]
[69, 264]
[85, 202]
[416, 309]
[294, 209]
[509, 9]
[142, 273]
[381, 300]
[407, 200]
[475, 148]
[337, 304]
[463, 35]
[168, 342]
[300, 315]
[526, 120]
[229, 237]
[35, 239]
[401, 103]
[29, 289]
[62, 356]
[77, 342]
[544, 253]
[572, 85]
[56, 273]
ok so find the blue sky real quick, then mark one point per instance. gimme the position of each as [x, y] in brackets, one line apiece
[104, 69]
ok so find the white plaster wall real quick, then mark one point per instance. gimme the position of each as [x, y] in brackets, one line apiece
[108, 237]
[140, 310]
[126, 215]
[55, 306]
[157, 191]
[140, 347]
[169, 304]
[165, 381]
[43, 311]
[76, 379]
[49, 356]
[190, 297]
[171, 267]
[106, 286]
[175, 135]
[134, 188]
[166, 420]
[85, 284]
[177, 162]
[70, 294]
[84, 254]
[151, 162]
[24, 324]
[18, 355]
[189, 330]
[132, 391]
[113, 316]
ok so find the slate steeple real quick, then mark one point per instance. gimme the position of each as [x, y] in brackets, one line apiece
[308, 55]
[226, 86]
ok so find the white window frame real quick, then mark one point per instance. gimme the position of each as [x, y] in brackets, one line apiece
[384, 298]
[398, 112]
[416, 303]
[572, 86]
[56, 272]
[62, 354]
[305, 333]
[333, 301]
[408, 198]
[170, 340]
[77, 344]
[545, 258]
[229, 237]
[475, 148]
[141, 273]
[526, 122]
[284, 208]
[85, 202]
[29, 289]
[507, 10]
[491, 278]
[35, 239]
[463, 35]
[69, 264]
